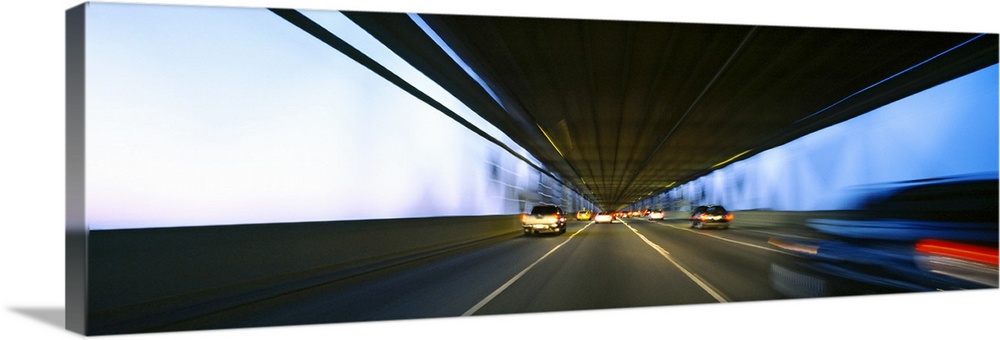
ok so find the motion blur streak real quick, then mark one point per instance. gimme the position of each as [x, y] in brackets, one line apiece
[811, 250]
[963, 251]
[732, 241]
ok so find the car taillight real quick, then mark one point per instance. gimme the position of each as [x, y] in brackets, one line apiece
[729, 217]
[985, 255]
[971, 263]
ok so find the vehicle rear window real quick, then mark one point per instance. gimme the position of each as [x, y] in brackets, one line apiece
[715, 209]
[544, 210]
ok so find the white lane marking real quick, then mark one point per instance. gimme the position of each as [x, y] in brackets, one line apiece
[663, 252]
[503, 287]
[723, 238]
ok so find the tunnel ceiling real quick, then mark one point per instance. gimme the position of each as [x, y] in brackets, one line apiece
[622, 110]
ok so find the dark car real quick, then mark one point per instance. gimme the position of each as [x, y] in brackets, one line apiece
[711, 216]
[930, 235]
[544, 218]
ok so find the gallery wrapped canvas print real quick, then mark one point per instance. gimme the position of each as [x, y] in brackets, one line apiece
[234, 167]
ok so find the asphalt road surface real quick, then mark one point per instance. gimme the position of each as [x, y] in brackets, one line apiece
[630, 263]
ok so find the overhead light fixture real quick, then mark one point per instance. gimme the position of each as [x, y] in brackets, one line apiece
[550, 140]
[731, 159]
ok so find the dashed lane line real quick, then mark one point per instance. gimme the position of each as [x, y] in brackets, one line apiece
[697, 280]
[503, 287]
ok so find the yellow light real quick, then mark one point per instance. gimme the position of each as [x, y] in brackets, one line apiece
[731, 159]
[550, 140]
[802, 248]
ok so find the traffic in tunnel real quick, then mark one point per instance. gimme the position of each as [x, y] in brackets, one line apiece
[292, 167]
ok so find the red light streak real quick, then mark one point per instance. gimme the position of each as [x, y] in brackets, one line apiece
[959, 250]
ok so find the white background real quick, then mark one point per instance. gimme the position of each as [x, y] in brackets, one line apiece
[32, 190]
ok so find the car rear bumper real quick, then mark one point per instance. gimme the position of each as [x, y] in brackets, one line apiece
[543, 227]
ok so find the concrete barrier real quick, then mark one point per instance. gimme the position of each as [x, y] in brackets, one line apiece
[794, 220]
[770, 218]
[783, 219]
[141, 279]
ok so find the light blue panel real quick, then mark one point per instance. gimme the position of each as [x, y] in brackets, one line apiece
[206, 116]
[947, 130]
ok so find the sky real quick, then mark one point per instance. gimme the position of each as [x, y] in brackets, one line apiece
[31, 138]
